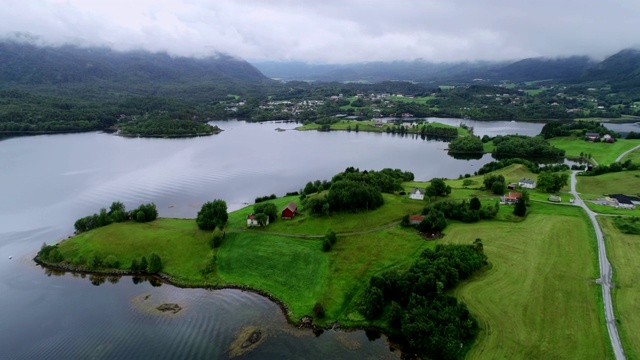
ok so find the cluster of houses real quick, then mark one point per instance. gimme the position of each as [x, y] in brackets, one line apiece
[289, 212]
[591, 137]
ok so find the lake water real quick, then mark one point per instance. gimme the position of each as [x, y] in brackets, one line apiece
[47, 182]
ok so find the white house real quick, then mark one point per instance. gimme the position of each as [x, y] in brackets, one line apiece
[416, 194]
[527, 183]
[251, 221]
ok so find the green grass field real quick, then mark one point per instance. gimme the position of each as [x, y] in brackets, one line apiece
[393, 209]
[625, 182]
[604, 153]
[624, 253]
[181, 245]
[538, 299]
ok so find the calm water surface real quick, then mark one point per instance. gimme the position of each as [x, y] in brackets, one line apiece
[47, 182]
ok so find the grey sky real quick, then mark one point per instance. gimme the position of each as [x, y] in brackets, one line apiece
[336, 31]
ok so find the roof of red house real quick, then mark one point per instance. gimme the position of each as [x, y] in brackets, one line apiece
[292, 206]
[251, 217]
[416, 218]
[513, 195]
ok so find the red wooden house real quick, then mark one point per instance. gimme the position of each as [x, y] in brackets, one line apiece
[289, 212]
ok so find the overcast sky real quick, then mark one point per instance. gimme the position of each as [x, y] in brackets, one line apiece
[335, 31]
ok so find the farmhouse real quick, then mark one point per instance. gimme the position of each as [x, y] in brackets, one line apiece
[591, 136]
[252, 221]
[511, 198]
[415, 219]
[289, 212]
[416, 194]
[527, 183]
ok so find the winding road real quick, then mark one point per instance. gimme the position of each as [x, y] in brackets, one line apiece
[606, 272]
[626, 152]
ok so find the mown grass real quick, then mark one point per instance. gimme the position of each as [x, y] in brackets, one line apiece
[417, 99]
[538, 298]
[623, 182]
[603, 153]
[179, 243]
[624, 254]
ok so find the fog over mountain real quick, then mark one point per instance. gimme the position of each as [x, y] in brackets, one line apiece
[332, 31]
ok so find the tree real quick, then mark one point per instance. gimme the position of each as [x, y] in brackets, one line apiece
[475, 204]
[438, 187]
[268, 209]
[212, 214]
[155, 264]
[373, 303]
[552, 182]
[434, 221]
[498, 188]
[262, 219]
[520, 209]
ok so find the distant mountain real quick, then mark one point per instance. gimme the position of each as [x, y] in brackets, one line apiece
[621, 70]
[542, 69]
[27, 65]
[418, 70]
[423, 71]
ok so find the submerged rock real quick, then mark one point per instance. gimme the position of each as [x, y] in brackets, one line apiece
[253, 338]
[173, 308]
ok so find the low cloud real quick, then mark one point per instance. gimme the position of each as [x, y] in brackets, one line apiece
[333, 31]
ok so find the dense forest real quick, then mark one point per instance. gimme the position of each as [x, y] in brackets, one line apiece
[434, 324]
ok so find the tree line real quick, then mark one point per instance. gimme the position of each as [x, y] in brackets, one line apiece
[116, 213]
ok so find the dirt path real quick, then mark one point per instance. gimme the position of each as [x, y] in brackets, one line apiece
[627, 152]
[606, 273]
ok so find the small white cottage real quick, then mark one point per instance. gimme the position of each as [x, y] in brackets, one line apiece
[416, 194]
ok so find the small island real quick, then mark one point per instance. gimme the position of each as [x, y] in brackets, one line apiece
[395, 126]
[165, 127]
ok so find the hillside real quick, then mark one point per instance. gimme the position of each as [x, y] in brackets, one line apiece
[74, 71]
[621, 70]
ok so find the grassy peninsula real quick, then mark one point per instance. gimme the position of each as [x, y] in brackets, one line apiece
[417, 127]
[536, 298]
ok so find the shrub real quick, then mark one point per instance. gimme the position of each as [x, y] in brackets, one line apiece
[135, 266]
[140, 216]
[155, 264]
[95, 261]
[143, 263]
[216, 240]
[318, 310]
[331, 236]
[326, 245]
[111, 262]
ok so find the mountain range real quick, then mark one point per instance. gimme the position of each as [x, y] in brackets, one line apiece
[70, 68]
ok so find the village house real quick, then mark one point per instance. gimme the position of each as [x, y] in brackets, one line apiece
[252, 221]
[591, 136]
[527, 183]
[290, 211]
[415, 219]
[416, 194]
[607, 138]
[511, 198]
